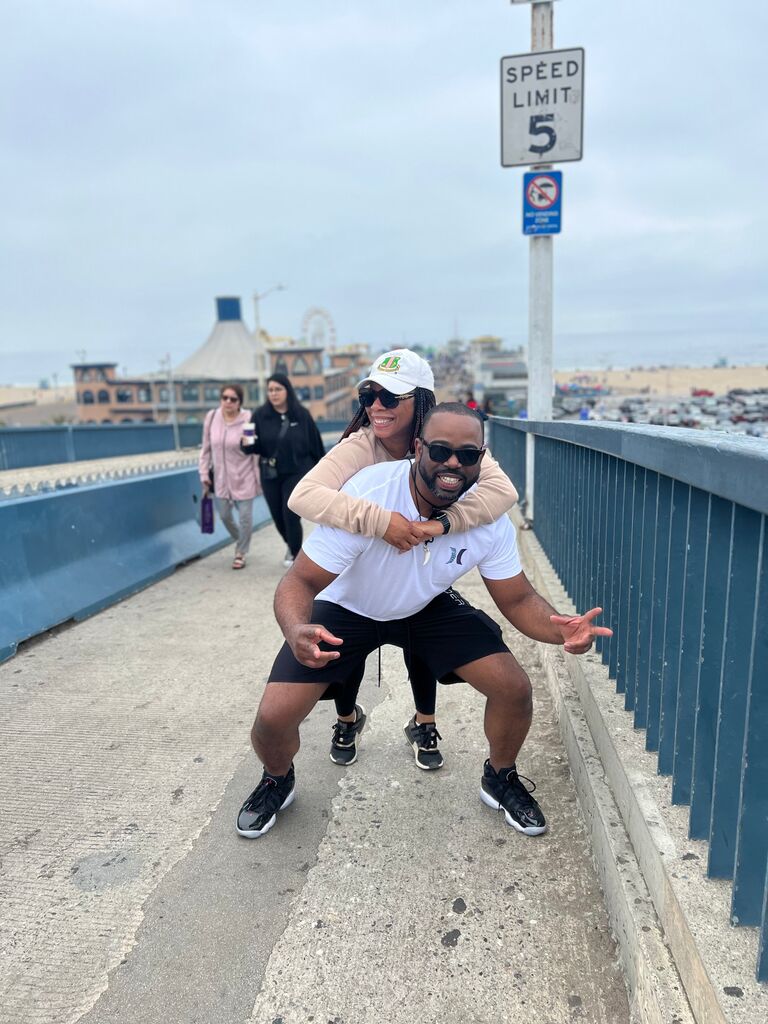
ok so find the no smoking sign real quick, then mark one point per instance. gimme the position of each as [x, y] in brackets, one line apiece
[542, 202]
[542, 192]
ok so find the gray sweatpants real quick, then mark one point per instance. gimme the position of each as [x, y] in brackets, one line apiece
[242, 528]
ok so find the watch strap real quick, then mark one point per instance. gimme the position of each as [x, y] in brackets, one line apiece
[444, 521]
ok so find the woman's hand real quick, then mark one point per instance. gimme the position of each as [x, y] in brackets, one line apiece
[401, 533]
[427, 530]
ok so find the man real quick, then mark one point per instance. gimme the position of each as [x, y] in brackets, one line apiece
[368, 594]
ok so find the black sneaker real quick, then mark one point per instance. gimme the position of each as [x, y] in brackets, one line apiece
[344, 739]
[258, 813]
[503, 791]
[423, 738]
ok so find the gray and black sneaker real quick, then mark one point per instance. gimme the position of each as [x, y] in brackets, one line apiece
[423, 737]
[503, 791]
[344, 739]
[259, 812]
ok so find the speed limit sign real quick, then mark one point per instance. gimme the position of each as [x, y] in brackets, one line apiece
[542, 109]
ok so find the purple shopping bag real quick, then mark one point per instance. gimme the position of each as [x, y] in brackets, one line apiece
[206, 514]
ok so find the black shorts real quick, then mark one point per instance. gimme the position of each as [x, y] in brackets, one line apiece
[446, 634]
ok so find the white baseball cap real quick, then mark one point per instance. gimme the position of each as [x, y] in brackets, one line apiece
[400, 371]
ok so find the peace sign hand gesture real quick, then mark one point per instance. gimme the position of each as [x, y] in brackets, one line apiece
[577, 630]
[304, 639]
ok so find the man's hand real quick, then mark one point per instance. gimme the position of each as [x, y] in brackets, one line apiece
[577, 630]
[304, 640]
[401, 533]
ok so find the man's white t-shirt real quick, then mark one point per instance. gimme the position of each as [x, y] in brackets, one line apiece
[377, 581]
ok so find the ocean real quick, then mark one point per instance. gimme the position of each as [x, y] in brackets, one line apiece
[679, 348]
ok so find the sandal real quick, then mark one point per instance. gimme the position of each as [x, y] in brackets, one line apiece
[239, 562]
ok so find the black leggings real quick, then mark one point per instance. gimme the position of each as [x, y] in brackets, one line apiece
[423, 684]
[277, 492]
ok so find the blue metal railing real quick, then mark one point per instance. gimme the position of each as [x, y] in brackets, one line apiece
[666, 530]
[509, 449]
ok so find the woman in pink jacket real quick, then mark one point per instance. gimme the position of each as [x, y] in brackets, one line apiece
[235, 475]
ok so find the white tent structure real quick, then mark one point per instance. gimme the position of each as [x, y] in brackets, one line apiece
[231, 351]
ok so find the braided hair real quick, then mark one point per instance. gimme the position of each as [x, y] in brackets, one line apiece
[423, 401]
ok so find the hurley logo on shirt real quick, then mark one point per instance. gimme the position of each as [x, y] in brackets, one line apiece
[456, 557]
[391, 364]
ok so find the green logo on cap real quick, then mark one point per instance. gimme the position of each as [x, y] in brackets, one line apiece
[391, 364]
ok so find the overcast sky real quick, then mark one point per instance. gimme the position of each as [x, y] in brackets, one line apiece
[155, 154]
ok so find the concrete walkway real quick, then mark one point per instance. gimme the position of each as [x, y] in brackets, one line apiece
[384, 892]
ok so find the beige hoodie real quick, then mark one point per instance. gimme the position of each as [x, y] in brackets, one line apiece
[318, 496]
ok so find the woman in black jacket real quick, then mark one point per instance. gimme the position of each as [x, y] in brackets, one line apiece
[289, 443]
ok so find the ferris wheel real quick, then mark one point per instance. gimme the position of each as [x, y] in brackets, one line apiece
[318, 328]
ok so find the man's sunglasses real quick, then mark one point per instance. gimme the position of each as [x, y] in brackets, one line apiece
[368, 396]
[441, 453]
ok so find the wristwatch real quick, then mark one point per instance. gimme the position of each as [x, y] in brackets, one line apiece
[444, 521]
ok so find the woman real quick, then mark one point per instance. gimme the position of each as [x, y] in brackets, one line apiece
[235, 476]
[289, 443]
[394, 398]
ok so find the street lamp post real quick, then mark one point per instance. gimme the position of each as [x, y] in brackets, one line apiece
[261, 356]
[165, 364]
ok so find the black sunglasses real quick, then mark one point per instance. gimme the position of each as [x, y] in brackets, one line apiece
[368, 396]
[230, 398]
[441, 453]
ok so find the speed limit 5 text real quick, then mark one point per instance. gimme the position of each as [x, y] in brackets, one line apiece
[554, 73]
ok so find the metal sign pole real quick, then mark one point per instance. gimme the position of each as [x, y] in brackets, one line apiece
[542, 118]
[260, 355]
[539, 293]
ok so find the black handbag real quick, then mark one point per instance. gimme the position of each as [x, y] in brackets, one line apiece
[268, 469]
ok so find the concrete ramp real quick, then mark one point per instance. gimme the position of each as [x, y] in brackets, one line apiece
[425, 906]
[384, 892]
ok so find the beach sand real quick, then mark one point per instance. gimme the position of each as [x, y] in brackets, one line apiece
[673, 380]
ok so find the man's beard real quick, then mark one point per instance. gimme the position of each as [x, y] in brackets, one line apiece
[436, 491]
